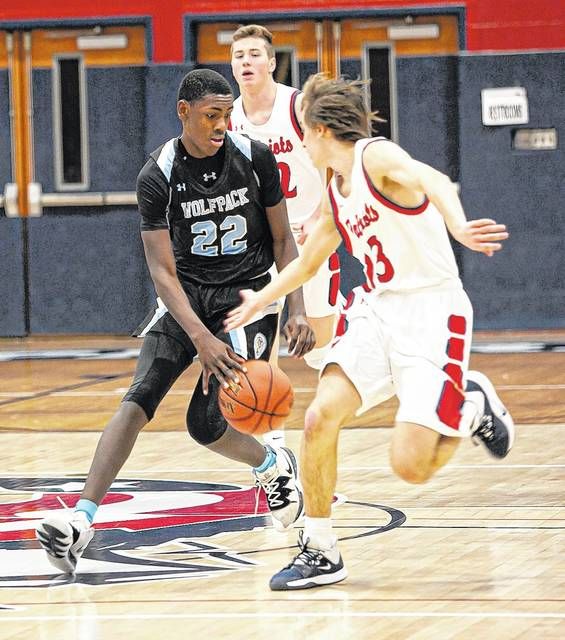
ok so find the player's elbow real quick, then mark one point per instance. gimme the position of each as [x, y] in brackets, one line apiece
[438, 183]
[164, 280]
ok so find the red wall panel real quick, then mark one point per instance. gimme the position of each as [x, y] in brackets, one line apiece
[504, 25]
[166, 18]
[508, 25]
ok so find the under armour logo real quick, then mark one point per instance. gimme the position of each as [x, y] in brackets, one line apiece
[181, 186]
[209, 176]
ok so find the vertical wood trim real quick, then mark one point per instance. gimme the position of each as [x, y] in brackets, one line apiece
[19, 74]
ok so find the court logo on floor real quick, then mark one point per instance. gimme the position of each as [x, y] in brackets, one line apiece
[146, 530]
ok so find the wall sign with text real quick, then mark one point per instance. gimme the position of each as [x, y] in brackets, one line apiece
[503, 106]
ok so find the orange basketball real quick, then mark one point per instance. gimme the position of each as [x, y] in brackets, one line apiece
[262, 400]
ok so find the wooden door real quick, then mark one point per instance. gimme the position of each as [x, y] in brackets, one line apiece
[67, 52]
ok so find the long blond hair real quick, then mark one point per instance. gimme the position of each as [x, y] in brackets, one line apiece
[340, 105]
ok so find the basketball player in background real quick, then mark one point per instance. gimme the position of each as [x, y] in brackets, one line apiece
[268, 111]
[213, 220]
[406, 331]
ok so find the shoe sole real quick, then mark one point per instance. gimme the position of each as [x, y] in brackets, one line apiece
[498, 408]
[56, 542]
[56, 538]
[311, 583]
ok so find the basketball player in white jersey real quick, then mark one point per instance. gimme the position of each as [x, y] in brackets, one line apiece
[268, 111]
[406, 331]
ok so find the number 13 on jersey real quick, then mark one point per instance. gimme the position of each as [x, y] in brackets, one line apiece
[376, 263]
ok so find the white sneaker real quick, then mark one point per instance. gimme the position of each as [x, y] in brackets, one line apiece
[495, 427]
[64, 537]
[280, 484]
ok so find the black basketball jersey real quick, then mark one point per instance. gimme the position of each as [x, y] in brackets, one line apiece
[220, 234]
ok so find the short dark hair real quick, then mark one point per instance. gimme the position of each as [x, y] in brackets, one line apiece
[199, 83]
[340, 105]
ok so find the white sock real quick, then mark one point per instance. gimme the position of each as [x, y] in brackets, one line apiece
[275, 438]
[319, 533]
[81, 521]
[471, 411]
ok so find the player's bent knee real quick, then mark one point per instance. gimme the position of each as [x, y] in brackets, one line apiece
[206, 435]
[319, 421]
[135, 413]
[204, 422]
[410, 470]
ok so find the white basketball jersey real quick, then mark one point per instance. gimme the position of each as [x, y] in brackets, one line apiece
[400, 248]
[300, 180]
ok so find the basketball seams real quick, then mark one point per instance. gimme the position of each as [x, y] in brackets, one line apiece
[268, 389]
[287, 393]
[255, 399]
[268, 399]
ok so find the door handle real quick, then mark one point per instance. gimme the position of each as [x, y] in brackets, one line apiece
[11, 200]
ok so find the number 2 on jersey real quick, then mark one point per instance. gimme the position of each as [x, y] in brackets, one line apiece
[284, 171]
[206, 232]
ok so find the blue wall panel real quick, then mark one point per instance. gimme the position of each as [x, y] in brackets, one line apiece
[116, 127]
[12, 295]
[523, 287]
[43, 129]
[428, 110]
[116, 109]
[5, 153]
[87, 274]
[162, 123]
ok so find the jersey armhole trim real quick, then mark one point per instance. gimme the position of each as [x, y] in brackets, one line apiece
[342, 230]
[408, 211]
[293, 118]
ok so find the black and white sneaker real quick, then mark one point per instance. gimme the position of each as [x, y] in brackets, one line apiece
[280, 484]
[64, 537]
[310, 568]
[494, 427]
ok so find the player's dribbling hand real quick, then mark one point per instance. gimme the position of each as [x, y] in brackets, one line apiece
[219, 359]
[299, 335]
[242, 315]
[483, 235]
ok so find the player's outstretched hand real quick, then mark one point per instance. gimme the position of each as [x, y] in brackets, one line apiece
[483, 235]
[299, 335]
[217, 358]
[242, 315]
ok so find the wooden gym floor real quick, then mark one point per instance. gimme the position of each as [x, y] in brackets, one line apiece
[180, 553]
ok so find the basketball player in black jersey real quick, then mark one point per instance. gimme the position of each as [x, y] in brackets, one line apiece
[213, 221]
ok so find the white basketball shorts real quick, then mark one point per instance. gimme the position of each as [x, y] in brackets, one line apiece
[413, 345]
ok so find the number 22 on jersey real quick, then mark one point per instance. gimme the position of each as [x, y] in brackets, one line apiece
[232, 232]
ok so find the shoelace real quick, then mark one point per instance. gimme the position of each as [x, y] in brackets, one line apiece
[311, 557]
[485, 430]
[272, 491]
